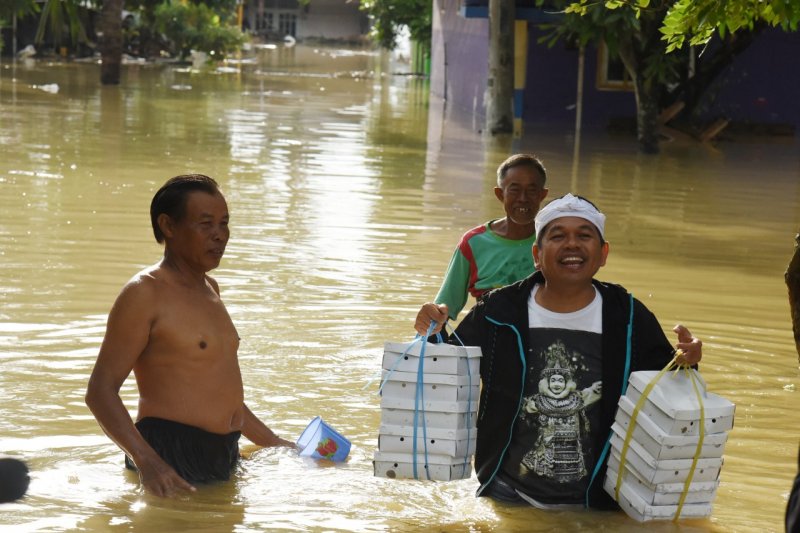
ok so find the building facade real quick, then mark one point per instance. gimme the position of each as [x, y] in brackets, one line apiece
[317, 19]
[759, 87]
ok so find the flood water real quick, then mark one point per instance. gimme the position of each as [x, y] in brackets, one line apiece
[347, 193]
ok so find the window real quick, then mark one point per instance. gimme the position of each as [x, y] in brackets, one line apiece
[263, 20]
[287, 24]
[611, 73]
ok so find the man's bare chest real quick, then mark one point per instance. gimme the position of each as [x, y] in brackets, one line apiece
[196, 326]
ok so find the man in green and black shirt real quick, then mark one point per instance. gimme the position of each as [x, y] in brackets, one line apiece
[498, 252]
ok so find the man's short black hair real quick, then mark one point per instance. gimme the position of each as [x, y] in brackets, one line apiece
[521, 160]
[171, 198]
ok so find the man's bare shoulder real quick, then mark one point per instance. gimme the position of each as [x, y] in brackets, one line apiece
[140, 299]
[144, 284]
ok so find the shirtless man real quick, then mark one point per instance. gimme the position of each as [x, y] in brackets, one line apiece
[170, 327]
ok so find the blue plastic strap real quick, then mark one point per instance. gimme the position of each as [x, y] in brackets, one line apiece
[417, 339]
[628, 348]
[419, 404]
[519, 403]
[397, 362]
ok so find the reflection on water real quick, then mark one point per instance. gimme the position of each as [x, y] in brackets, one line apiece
[346, 200]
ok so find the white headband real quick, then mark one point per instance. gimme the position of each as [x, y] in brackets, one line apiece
[570, 206]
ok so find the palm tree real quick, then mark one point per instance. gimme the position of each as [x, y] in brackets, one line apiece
[56, 14]
[111, 44]
[10, 11]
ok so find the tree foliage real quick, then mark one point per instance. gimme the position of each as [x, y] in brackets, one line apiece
[60, 14]
[642, 33]
[389, 15]
[624, 26]
[632, 34]
[696, 21]
[9, 8]
[206, 25]
[197, 26]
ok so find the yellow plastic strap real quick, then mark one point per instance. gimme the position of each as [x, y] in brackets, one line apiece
[699, 444]
[632, 424]
[632, 427]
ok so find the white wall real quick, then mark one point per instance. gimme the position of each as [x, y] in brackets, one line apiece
[332, 19]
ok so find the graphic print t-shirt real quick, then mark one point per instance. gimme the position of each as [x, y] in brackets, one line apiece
[550, 457]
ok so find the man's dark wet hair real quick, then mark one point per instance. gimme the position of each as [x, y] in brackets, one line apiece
[521, 160]
[171, 198]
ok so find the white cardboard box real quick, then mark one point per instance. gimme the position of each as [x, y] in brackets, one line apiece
[665, 470]
[441, 406]
[436, 432]
[439, 358]
[635, 507]
[435, 387]
[439, 467]
[664, 493]
[432, 419]
[672, 404]
[662, 445]
[405, 443]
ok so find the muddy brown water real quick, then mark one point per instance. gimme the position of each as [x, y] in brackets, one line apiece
[348, 190]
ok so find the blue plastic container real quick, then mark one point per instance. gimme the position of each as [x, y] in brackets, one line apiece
[320, 441]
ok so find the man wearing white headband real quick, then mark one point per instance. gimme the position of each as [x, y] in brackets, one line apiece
[557, 348]
[571, 206]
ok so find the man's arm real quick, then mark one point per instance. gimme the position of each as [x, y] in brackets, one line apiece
[127, 335]
[452, 295]
[258, 432]
[454, 291]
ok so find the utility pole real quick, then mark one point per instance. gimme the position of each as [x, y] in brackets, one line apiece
[500, 85]
[14, 35]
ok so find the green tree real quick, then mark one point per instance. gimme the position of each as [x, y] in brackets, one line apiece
[198, 26]
[389, 15]
[648, 36]
[698, 20]
[8, 8]
[11, 9]
[62, 17]
[19, 8]
[58, 15]
[634, 35]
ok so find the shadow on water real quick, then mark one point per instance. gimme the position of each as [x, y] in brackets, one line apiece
[348, 190]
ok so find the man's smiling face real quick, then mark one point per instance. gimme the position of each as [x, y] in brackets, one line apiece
[569, 251]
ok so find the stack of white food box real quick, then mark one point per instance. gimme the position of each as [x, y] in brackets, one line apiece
[446, 416]
[663, 445]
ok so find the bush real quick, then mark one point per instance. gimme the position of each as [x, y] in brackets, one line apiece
[196, 27]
